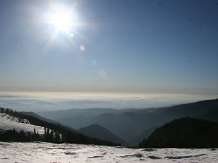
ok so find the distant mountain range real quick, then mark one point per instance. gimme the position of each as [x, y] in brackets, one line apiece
[133, 125]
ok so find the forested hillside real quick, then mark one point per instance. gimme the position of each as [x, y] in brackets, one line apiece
[52, 132]
[184, 133]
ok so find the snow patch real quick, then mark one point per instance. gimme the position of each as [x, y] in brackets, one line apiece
[8, 122]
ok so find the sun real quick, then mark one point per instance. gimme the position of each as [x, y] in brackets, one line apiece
[61, 18]
[62, 21]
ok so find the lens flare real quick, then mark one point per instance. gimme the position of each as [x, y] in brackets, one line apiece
[82, 48]
[94, 62]
[71, 34]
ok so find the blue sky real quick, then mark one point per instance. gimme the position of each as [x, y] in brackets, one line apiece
[117, 47]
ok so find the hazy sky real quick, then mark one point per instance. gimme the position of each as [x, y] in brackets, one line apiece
[125, 46]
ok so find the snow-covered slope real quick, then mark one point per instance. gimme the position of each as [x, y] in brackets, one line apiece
[8, 122]
[70, 153]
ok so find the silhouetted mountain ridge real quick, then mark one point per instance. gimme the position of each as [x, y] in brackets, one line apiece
[97, 131]
[184, 133]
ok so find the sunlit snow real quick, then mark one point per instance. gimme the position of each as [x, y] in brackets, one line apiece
[9, 123]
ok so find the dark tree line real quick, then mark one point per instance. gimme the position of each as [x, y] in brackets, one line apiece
[55, 133]
[19, 136]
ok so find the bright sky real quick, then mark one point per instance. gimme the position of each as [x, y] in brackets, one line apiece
[121, 47]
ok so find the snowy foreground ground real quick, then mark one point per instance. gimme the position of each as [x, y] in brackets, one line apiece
[40, 152]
